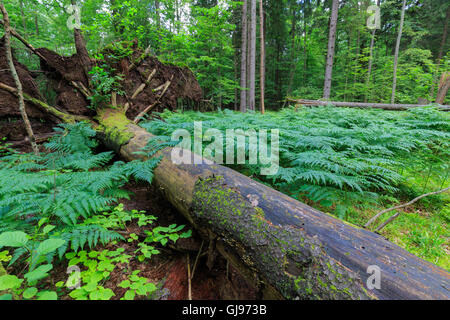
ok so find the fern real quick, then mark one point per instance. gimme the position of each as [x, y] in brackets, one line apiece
[66, 186]
[336, 154]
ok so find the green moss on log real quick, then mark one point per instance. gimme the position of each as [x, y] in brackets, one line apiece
[286, 257]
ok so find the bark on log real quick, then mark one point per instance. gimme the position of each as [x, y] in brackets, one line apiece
[285, 248]
[384, 106]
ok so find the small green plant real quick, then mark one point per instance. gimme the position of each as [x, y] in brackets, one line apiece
[98, 267]
[14, 288]
[104, 82]
[159, 235]
[117, 218]
[137, 285]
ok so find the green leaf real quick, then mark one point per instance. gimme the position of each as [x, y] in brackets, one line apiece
[14, 239]
[48, 228]
[49, 245]
[39, 273]
[129, 295]
[30, 292]
[7, 296]
[47, 295]
[125, 284]
[10, 282]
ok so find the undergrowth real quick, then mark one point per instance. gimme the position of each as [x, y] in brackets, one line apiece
[349, 162]
[62, 203]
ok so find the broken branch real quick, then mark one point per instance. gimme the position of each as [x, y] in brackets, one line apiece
[15, 76]
[150, 107]
[395, 216]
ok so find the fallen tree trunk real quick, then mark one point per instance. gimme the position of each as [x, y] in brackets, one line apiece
[285, 248]
[384, 106]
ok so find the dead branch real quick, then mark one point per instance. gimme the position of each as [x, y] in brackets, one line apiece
[400, 207]
[189, 278]
[383, 106]
[15, 76]
[65, 117]
[142, 86]
[136, 63]
[81, 88]
[150, 107]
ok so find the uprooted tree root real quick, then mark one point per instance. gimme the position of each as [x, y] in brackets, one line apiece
[147, 85]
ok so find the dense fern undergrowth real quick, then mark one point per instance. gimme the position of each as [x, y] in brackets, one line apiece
[60, 206]
[352, 163]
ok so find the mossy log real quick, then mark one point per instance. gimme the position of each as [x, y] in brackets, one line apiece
[284, 247]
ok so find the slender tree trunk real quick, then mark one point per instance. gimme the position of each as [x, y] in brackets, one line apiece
[244, 59]
[15, 76]
[331, 46]
[444, 86]
[369, 69]
[397, 49]
[293, 52]
[441, 52]
[36, 24]
[82, 52]
[252, 78]
[263, 64]
[305, 47]
[24, 23]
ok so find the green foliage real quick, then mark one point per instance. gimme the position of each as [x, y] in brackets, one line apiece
[52, 203]
[104, 82]
[336, 157]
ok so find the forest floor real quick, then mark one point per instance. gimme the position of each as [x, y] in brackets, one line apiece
[169, 269]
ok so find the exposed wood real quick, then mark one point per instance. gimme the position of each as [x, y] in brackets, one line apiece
[189, 277]
[372, 220]
[384, 106]
[114, 99]
[150, 107]
[136, 63]
[81, 88]
[142, 86]
[444, 86]
[19, 90]
[285, 248]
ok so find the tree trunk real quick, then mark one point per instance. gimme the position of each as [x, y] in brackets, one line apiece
[369, 69]
[252, 78]
[82, 52]
[441, 51]
[331, 46]
[397, 49]
[444, 86]
[15, 76]
[244, 59]
[263, 59]
[285, 248]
